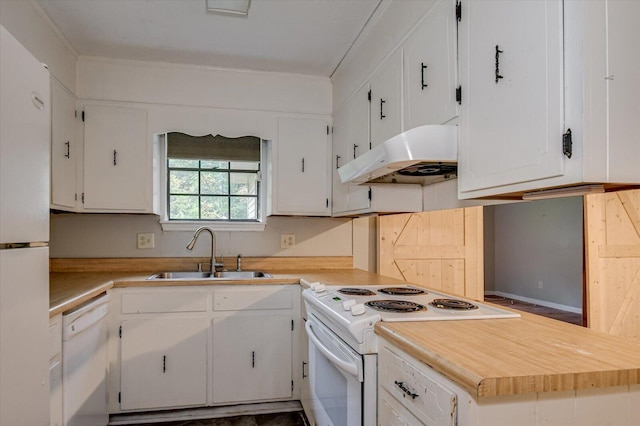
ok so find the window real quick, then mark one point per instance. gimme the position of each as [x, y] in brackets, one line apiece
[212, 180]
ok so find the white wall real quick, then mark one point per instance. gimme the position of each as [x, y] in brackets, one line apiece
[102, 235]
[30, 25]
[540, 241]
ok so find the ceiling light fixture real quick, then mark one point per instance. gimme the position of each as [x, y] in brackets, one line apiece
[563, 192]
[229, 7]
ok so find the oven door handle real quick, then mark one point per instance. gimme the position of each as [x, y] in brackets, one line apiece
[343, 365]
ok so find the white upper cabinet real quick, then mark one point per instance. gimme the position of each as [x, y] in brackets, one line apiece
[430, 69]
[549, 93]
[301, 183]
[386, 99]
[512, 93]
[117, 160]
[65, 153]
[350, 139]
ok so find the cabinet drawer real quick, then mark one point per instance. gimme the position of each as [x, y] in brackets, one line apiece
[392, 413]
[423, 396]
[55, 336]
[157, 302]
[252, 298]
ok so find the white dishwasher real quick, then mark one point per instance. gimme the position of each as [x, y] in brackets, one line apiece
[84, 364]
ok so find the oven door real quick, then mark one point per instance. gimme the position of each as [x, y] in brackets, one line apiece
[336, 377]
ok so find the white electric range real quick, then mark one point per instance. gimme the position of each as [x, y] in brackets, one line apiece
[343, 345]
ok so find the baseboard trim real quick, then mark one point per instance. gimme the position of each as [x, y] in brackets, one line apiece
[204, 413]
[535, 301]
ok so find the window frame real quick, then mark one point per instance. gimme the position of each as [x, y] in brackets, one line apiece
[214, 224]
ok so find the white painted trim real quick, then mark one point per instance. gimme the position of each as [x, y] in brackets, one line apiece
[180, 65]
[215, 226]
[535, 301]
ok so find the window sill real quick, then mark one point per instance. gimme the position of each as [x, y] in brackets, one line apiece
[170, 226]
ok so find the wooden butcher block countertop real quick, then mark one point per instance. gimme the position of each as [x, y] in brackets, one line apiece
[518, 355]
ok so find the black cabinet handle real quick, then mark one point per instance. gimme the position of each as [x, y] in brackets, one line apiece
[337, 161]
[381, 106]
[303, 373]
[115, 157]
[253, 359]
[355, 147]
[406, 390]
[424, 67]
[68, 145]
[498, 52]
[302, 164]
[164, 364]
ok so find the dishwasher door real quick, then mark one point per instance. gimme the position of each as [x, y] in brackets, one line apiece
[84, 364]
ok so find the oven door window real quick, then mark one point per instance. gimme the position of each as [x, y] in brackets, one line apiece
[336, 378]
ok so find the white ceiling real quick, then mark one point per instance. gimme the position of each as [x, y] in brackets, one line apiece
[294, 36]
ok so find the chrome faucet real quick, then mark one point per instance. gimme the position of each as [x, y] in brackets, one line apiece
[192, 243]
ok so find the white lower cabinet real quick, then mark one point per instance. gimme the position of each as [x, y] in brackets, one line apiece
[252, 359]
[190, 346]
[163, 362]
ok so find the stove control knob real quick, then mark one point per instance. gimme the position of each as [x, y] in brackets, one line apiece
[319, 288]
[357, 309]
[347, 304]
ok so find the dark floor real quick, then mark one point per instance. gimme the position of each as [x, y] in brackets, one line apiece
[278, 419]
[557, 314]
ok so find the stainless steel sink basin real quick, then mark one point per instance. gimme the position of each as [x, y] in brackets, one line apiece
[242, 274]
[221, 275]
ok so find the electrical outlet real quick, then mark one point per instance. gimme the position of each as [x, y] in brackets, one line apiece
[287, 241]
[146, 240]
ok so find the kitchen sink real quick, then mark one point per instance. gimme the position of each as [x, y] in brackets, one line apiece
[219, 275]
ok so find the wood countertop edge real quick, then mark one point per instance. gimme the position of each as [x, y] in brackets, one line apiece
[484, 387]
[79, 299]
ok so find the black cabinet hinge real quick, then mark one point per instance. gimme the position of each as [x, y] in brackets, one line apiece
[459, 95]
[458, 11]
[119, 397]
[369, 195]
[82, 116]
[567, 144]
[120, 332]
[292, 386]
[369, 96]
[327, 130]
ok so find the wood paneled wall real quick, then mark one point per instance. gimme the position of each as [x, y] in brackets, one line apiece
[442, 250]
[612, 238]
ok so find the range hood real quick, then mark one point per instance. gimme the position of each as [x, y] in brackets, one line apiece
[425, 154]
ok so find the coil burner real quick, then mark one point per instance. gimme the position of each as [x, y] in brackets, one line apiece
[353, 291]
[402, 291]
[453, 304]
[400, 306]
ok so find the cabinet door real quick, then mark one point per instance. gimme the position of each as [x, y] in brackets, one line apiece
[350, 140]
[512, 92]
[163, 362]
[386, 92]
[253, 357]
[302, 167]
[117, 171]
[64, 152]
[430, 69]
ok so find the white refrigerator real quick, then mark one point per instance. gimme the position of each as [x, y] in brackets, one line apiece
[24, 234]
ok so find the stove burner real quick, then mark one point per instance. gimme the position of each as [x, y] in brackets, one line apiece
[402, 291]
[395, 306]
[356, 291]
[458, 305]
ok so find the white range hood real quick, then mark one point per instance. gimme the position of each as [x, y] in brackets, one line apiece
[427, 153]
